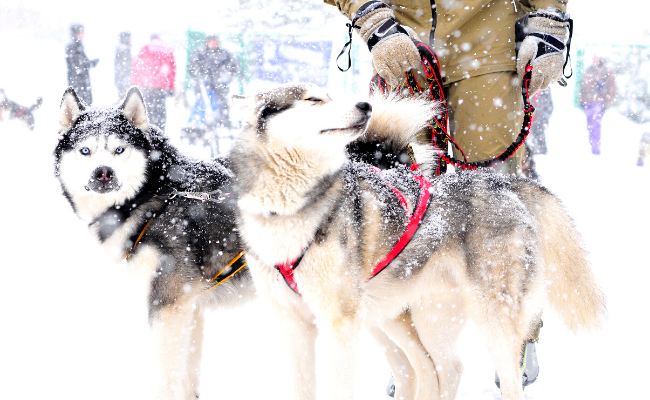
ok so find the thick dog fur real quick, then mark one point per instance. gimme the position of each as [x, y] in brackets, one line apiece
[120, 174]
[491, 248]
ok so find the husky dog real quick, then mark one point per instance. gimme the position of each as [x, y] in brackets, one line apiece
[12, 110]
[320, 231]
[172, 218]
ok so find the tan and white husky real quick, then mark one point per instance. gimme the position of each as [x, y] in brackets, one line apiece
[318, 229]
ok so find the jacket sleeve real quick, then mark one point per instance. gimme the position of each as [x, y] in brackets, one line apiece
[346, 7]
[544, 4]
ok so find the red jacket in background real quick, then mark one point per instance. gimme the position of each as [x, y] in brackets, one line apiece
[154, 67]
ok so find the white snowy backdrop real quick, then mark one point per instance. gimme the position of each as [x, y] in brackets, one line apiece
[73, 326]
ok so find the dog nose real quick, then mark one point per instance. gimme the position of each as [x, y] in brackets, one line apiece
[104, 174]
[363, 106]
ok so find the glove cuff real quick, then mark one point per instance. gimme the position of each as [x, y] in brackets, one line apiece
[376, 22]
[549, 23]
[372, 21]
[366, 9]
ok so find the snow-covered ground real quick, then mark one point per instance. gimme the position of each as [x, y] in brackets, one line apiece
[74, 326]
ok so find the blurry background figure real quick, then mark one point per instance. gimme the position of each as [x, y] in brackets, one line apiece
[123, 62]
[79, 65]
[536, 141]
[644, 148]
[154, 72]
[212, 69]
[597, 93]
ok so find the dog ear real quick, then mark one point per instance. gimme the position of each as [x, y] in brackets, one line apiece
[71, 107]
[134, 109]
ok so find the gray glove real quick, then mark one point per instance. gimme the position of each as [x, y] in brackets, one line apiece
[393, 51]
[545, 35]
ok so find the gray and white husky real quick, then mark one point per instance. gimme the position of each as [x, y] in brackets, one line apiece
[320, 231]
[171, 217]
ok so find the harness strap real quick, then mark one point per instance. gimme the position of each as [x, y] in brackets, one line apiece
[235, 265]
[411, 228]
[128, 252]
[286, 270]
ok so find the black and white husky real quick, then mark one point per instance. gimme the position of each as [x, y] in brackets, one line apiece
[336, 245]
[171, 217]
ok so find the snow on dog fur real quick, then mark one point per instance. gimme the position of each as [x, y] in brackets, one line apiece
[489, 247]
[122, 176]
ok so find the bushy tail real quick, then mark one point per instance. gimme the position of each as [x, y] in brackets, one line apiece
[396, 123]
[572, 288]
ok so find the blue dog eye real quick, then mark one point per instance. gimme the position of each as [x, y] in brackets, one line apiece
[119, 150]
[85, 151]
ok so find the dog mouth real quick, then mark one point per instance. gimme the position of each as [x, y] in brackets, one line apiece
[354, 129]
[102, 188]
[103, 180]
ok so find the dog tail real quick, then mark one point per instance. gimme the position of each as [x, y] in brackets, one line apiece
[36, 105]
[397, 133]
[572, 289]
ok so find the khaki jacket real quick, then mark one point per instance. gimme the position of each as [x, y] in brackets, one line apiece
[472, 37]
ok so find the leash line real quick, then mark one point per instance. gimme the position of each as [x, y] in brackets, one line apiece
[128, 252]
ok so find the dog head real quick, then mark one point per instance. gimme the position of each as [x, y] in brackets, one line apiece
[103, 153]
[304, 117]
[294, 138]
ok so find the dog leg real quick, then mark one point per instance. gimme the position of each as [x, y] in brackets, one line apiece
[342, 335]
[506, 354]
[172, 328]
[299, 336]
[438, 325]
[196, 351]
[402, 332]
[403, 373]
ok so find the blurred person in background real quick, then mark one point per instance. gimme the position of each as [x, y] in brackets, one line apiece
[597, 93]
[154, 72]
[79, 64]
[644, 148]
[123, 62]
[213, 68]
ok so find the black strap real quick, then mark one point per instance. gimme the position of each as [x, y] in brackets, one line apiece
[553, 42]
[347, 46]
[434, 21]
[387, 29]
[568, 51]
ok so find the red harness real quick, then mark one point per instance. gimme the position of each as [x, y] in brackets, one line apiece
[287, 269]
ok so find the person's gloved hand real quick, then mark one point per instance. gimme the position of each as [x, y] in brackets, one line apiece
[545, 38]
[393, 51]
